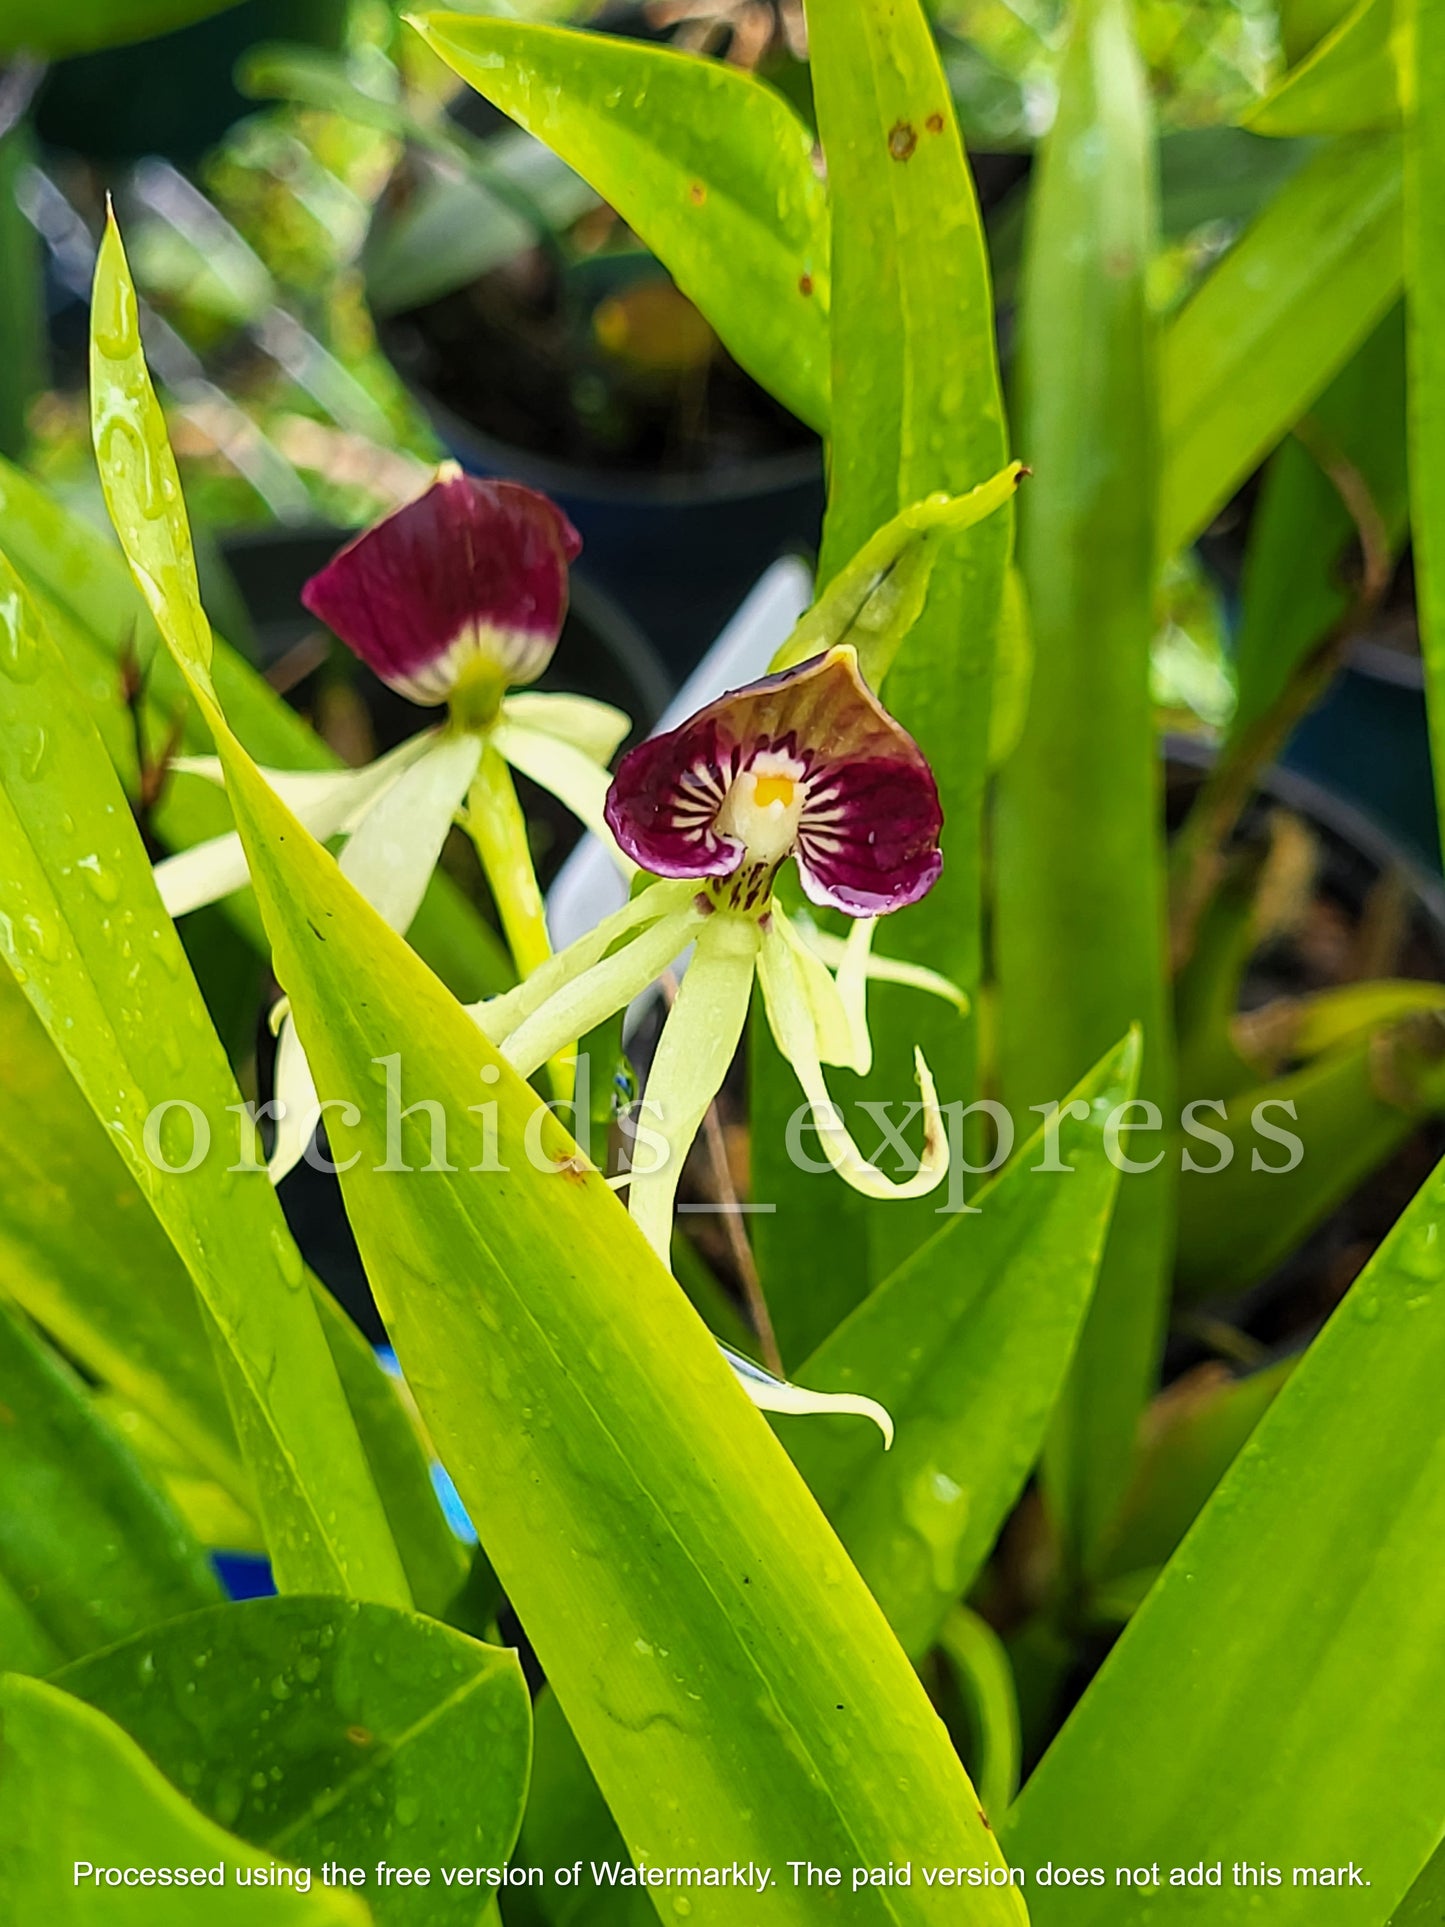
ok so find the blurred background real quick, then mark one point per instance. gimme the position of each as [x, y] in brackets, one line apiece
[353, 267]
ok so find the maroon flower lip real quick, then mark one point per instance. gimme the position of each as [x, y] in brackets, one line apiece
[470, 578]
[807, 763]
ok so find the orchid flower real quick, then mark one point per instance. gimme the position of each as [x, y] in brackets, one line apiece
[807, 765]
[458, 598]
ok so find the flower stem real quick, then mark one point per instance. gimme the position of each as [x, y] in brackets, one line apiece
[737, 1237]
[499, 830]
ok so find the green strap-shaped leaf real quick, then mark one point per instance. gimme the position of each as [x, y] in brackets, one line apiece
[1191, 1436]
[1276, 1699]
[735, 1691]
[83, 931]
[967, 1344]
[1424, 1905]
[89, 1548]
[1345, 85]
[984, 1681]
[384, 1734]
[104, 1281]
[1341, 1117]
[916, 408]
[1422, 89]
[708, 164]
[1079, 862]
[76, 1792]
[108, 1284]
[917, 401]
[1273, 322]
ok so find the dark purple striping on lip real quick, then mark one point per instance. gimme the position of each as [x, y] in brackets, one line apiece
[852, 790]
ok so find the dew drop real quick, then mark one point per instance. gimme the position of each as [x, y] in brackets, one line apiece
[19, 657]
[113, 322]
[101, 880]
[43, 937]
[288, 1258]
[31, 747]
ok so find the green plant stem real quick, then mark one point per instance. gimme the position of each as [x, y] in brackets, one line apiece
[985, 1683]
[498, 828]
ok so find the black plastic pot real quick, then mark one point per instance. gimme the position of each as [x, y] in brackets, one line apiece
[1368, 741]
[173, 95]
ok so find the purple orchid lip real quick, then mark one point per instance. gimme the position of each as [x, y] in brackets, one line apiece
[471, 576]
[807, 763]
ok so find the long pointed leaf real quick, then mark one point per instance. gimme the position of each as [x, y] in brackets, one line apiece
[1261, 1722]
[1080, 916]
[88, 1545]
[967, 1344]
[916, 407]
[1422, 86]
[1273, 322]
[83, 930]
[107, 1283]
[712, 168]
[75, 1792]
